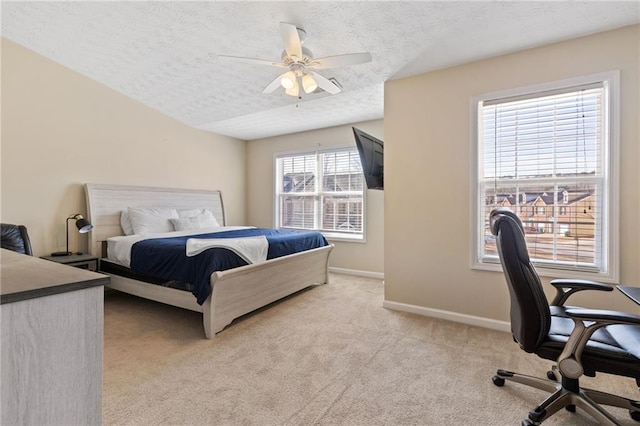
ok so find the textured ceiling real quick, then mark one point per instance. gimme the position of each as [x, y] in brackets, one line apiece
[164, 54]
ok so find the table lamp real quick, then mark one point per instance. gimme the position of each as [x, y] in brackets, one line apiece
[83, 226]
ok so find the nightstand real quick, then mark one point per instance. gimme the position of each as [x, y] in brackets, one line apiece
[83, 261]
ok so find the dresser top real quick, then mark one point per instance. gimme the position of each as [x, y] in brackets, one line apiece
[25, 277]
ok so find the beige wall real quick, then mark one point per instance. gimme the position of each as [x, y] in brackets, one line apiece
[61, 130]
[368, 256]
[428, 160]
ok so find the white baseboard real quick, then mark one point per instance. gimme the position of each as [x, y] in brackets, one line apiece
[448, 315]
[368, 274]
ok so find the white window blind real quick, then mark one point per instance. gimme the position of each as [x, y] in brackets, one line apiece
[545, 156]
[321, 190]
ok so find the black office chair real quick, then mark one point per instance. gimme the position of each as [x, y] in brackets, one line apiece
[581, 341]
[15, 238]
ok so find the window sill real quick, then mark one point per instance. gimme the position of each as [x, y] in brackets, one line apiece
[553, 273]
[344, 237]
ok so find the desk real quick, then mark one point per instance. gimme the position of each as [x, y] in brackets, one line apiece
[632, 293]
[51, 328]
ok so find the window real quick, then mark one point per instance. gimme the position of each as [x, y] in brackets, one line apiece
[321, 190]
[550, 149]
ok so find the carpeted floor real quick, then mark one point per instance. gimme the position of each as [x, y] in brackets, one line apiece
[330, 355]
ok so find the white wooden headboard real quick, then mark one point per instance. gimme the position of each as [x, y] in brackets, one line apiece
[106, 202]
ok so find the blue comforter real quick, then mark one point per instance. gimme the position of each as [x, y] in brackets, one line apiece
[166, 257]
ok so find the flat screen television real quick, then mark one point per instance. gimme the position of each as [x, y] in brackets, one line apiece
[371, 152]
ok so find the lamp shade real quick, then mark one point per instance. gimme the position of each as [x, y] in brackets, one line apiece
[288, 80]
[83, 225]
[308, 83]
[294, 90]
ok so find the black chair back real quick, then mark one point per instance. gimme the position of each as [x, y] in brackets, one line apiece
[15, 238]
[530, 314]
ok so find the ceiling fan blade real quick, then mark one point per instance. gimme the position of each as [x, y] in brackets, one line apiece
[291, 39]
[274, 84]
[324, 83]
[252, 61]
[340, 60]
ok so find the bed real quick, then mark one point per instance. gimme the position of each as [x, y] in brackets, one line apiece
[232, 292]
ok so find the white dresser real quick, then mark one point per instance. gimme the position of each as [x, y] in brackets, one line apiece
[51, 342]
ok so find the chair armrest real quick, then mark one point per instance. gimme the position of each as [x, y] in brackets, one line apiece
[566, 287]
[586, 322]
[603, 316]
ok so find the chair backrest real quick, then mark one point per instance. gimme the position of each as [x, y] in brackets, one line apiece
[530, 314]
[15, 238]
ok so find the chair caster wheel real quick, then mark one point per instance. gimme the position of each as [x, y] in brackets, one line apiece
[551, 376]
[536, 416]
[498, 381]
[635, 415]
[527, 422]
[570, 408]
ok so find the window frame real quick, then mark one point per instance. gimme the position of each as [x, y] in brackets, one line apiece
[610, 257]
[329, 235]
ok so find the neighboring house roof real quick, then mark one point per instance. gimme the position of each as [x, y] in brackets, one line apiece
[546, 197]
[298, 182]
[305, 182]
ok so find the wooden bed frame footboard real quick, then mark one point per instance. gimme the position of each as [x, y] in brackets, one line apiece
[238, 291]
[235, 292]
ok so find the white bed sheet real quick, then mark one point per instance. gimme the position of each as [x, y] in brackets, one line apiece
[119, 248]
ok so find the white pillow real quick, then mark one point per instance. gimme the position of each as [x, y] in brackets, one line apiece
[125, 223]
[185, 223]
[191, 212]
[199, 221]
[151, 220]
[207, 220]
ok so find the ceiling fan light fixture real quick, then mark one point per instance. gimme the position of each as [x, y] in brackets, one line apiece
[288, 81]
[293, 91]
[298, 62]
[308, 83]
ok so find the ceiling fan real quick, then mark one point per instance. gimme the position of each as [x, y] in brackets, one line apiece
[301, 64]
